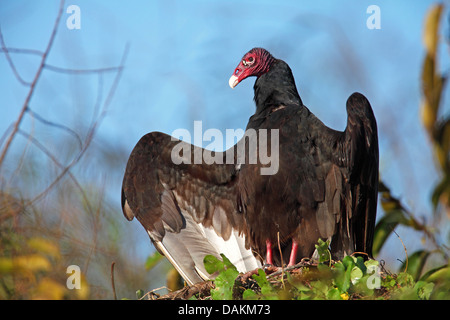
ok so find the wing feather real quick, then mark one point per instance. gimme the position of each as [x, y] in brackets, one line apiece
[180, 204]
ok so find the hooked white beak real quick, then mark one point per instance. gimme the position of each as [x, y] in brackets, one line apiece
[233, 81]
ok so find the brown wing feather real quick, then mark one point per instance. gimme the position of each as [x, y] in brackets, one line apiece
[188, 210]
[357, 155]
[362, 141]
[156, 189]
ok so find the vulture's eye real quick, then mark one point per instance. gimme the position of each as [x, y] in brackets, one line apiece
[250, 59]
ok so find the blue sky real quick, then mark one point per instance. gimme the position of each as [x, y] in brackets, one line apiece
[182, 53]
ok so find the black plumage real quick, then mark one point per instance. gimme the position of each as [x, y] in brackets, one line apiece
[325, 185]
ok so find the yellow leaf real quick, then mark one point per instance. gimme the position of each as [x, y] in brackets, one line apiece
[441, 155]
[344, 296]
[83, 292]
[49, 289]
[44, 246]
[430, 35]
[6, 265]
[32, 262]
[428, 116]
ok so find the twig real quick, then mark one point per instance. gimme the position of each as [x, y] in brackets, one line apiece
[47, 66]
[41, 147]
[360, 252]
[151, 294]
[112, 280]
[33, 84]
[19, 50]
[305, 262]
[56, 125]
[404, 248]
[91, 131]
[81, 71]
[202, 288]
[10, 62]
[281, 257]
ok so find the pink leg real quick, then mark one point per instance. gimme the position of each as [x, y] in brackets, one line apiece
[293, 256]
[269, 259]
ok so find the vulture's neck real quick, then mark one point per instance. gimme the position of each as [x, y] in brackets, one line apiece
[275, 88]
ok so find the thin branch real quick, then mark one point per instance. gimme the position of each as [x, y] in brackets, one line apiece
[201, 288]
[19, 50]
[10, 62]
[33, 84]
[57, 163]
[56, 125]
[50, 67]
[281, 258]
[112, 280]
[81, 71]
[404, 248]
[91, 131]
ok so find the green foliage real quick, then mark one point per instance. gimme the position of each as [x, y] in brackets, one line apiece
[322, 250]
[227, 273]
[352, 278]
[433, 83]
[152, 260]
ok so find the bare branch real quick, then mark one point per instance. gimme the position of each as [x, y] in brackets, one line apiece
[50, 67]
[81, 71]
[10, 62]
[91, 131]
[20, 50]
[56, 125]
[33, 84]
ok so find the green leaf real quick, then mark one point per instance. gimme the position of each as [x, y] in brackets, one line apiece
[323, 251]
[405, 279]
[249, 294]
[424, 289]
[224, 285]
[334, 294]
[360, 263]
[349, 262]
[384, 228]
[299, 285]
[437, 274]
[442, 188]
[139, 294]
[224, 281]
[356, 275]
[320, 289]
[371, 263]
[267, 291]
[416, 262]
[153, 260]
[212, 264]
[227, 263]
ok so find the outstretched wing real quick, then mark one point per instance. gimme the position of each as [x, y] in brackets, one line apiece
[352, 180]
[189, 209]
[361, 142]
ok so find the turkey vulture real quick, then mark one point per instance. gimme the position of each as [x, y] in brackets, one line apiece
[324, 186]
